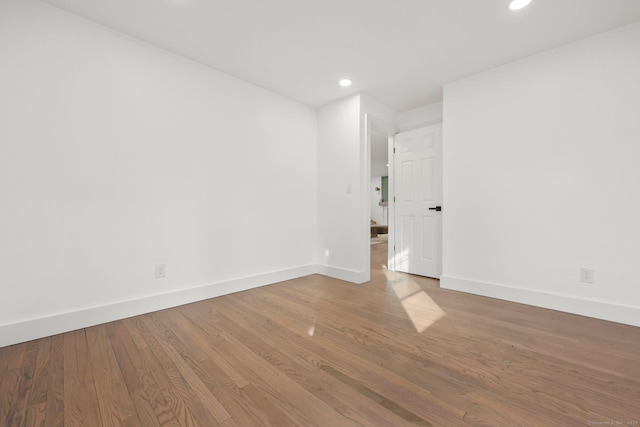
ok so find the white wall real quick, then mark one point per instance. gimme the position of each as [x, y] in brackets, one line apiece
[541, 178]
[420, 117]
[117, 156]
[344, 160]
[339, 218]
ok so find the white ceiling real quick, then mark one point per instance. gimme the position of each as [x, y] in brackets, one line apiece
[400, 52]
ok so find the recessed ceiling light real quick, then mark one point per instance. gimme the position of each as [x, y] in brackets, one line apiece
[518, 4]
[345, 82]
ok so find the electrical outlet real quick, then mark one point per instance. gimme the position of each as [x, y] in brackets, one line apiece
[160, 271]
[586, 275]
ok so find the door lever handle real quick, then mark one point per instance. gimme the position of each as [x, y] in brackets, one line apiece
[437, 209]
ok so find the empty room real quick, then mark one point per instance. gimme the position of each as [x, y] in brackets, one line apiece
[341, 213]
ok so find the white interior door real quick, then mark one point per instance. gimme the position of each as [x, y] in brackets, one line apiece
[417, 226]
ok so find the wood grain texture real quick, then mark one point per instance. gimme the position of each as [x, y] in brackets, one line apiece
[315, 351]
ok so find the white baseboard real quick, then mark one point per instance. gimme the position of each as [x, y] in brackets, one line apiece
[59, 323]
[597, 309]
[357, 277]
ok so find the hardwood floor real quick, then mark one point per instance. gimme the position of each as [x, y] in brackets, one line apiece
[397, 351]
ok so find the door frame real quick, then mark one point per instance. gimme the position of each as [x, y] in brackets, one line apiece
[391, 215]
[371, 124]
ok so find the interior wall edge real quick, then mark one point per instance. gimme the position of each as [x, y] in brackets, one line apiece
[31, 329]
[628, 315]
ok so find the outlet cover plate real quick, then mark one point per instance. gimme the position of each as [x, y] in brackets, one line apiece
[586, 275]
[160, 271]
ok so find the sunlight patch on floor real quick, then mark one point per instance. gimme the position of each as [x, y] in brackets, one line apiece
[405, 289]
[311, 330]
[420, 308]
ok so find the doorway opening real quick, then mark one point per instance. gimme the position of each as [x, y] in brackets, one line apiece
[378, 181]
[379, 188]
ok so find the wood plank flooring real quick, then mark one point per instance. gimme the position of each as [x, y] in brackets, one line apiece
[397, 351]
